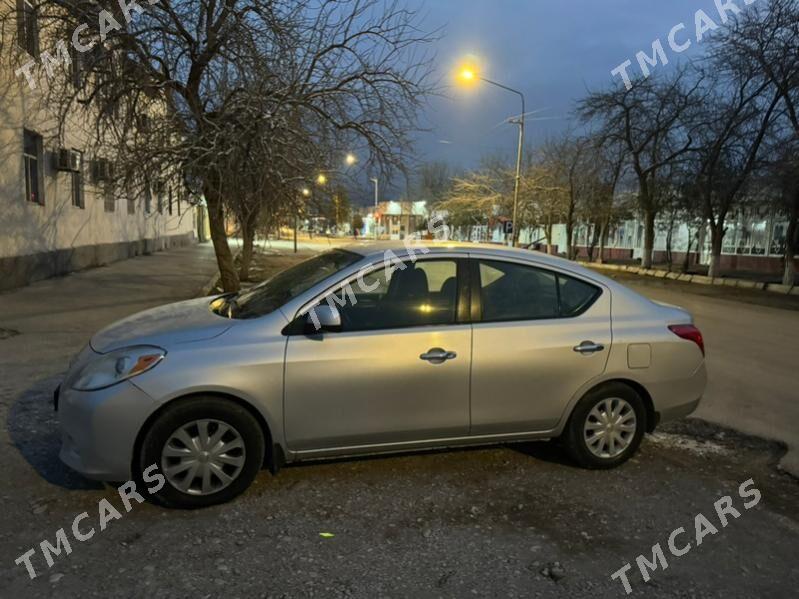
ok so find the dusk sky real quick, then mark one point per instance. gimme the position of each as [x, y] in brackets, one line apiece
[552, 51]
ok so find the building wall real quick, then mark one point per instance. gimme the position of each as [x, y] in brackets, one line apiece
[755, 242]
[38, 240]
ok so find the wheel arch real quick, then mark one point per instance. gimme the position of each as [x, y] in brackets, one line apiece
[651, 414]
[274, 452]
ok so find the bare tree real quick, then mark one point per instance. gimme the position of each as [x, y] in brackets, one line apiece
[565, 158]
[346, 69]
[649, 121]
[764, 41]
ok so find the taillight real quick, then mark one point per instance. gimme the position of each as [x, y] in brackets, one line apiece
[689, 332]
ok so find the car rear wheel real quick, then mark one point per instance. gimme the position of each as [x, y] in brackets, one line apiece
[208, 449]
[606, 426]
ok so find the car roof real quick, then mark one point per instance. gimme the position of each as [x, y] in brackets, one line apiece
[374, 249]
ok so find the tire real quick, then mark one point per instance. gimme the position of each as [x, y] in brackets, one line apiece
[588, 440]
[198, 436]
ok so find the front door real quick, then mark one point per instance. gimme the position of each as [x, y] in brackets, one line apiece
[525, 368]
[398, 371]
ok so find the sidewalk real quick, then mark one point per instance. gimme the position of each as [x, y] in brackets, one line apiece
[44, 324]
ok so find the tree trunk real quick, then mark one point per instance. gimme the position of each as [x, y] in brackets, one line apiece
[248, 241]
[687, 261]
[570, 235]
[717, 232]
[224, 257]
[791, 243]
[603, 239]
[649, 238]
[669, 237]
[548, 233]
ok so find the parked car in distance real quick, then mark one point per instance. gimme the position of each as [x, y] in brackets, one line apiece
[378, 348]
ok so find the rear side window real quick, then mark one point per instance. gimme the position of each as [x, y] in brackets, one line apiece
[515, 292]
[575, 296]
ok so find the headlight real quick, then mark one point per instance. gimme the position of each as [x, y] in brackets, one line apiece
[117, 366]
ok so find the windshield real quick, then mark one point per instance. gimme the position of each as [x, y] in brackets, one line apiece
[283, 287]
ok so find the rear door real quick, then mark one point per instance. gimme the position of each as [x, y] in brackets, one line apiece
[528, 325]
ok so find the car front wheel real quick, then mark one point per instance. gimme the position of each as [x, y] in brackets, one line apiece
[606, 426]
[208, 449]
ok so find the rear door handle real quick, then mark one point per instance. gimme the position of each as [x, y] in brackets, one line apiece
[589, 347]
[438, 355]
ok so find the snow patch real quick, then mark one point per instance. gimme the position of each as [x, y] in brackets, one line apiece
[697, 446]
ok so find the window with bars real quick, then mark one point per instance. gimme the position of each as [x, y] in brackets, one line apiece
[160, 198]
[75, 66]
[27, 28]
[109, 200]
[77, 183]
[32, 156]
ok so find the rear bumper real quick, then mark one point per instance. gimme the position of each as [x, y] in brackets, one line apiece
[679, 411]
[678, 398]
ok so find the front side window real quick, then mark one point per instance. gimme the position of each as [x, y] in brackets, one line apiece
[285, 286]
[32, 164]
[515, 292]
[417, 294]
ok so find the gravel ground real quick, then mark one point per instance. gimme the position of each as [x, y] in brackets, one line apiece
[507, 521]
[511, 521]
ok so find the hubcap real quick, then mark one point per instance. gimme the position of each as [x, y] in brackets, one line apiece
[203, 457]
[610, 427]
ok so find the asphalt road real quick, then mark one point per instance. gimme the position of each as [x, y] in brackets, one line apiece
[515, 521]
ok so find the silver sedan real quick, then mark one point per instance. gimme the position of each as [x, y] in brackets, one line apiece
[372, 348]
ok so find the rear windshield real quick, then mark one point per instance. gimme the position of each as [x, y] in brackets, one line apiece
[285, 286]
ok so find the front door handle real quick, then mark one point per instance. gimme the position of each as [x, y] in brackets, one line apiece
[589, 347]
[438, 356]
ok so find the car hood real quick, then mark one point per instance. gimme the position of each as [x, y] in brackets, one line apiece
[164, 326]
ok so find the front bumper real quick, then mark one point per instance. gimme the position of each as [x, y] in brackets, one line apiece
[99, 428]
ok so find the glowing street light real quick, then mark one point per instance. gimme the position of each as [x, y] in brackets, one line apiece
[469, 75]
[306, 192]
[350, 159]
[321, 179]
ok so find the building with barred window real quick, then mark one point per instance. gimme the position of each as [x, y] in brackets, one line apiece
[61, 206]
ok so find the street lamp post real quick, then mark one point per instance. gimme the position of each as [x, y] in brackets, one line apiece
[377, 197]
[470, 75]
[305, 193]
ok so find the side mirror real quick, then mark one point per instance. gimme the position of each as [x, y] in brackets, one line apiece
[322, 318]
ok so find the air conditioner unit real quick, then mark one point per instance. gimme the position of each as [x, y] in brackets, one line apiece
[63, 159]
[103, 169]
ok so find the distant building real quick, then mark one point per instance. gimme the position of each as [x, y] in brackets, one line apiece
[397, 220]
[58, 214]
[755, 241]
